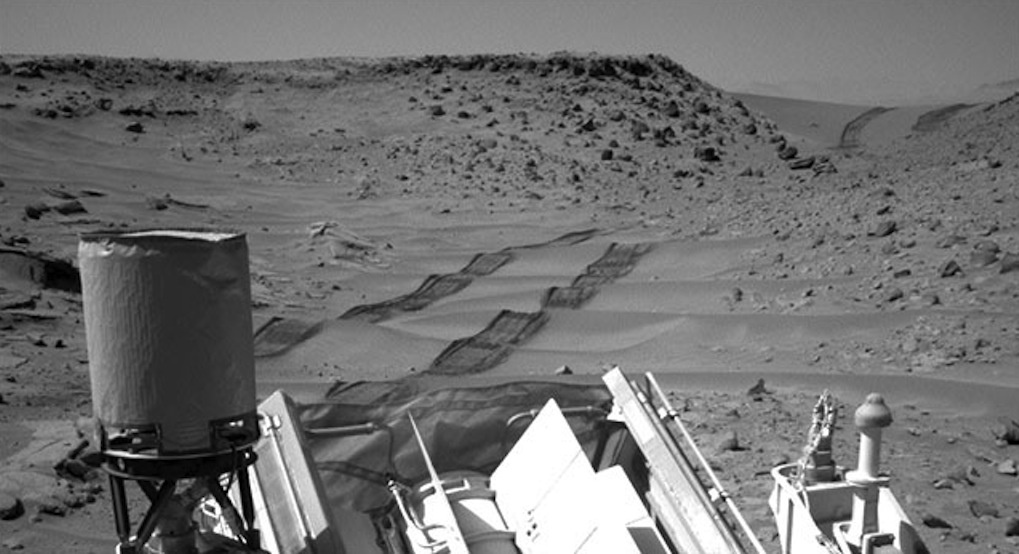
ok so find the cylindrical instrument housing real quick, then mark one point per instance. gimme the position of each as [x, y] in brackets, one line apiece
[168, 326]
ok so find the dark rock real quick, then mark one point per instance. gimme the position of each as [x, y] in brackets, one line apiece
[70, 207]
[606, 154]
[949, 269]
[78, 469]
[706, 154]
[758, 389]
[671, 109]
[588, 126]
[104, 104]
[35, 211]
[564, 370]
[884, 229]
[1006, 431]
[979, 508]
[436, 110]
[736, 294]
[894, 294]
[788, 153]
[934, 522]
[134, 127]
[10, 507]
[750, 129]
[1009, 263]
[802, 163]
[156, 203]
[1012, 527]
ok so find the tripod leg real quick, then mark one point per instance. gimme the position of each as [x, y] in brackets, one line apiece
[120, 515]
[248, 507]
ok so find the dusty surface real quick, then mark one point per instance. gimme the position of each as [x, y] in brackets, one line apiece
[890, 266]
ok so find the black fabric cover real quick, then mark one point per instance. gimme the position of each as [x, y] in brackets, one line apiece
[463, 422]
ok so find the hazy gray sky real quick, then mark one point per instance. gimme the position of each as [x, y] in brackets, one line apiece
[839, 50]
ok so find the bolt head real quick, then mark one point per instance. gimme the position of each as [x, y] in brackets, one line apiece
[873, 413]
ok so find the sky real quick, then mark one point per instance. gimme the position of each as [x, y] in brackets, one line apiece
[856, 51]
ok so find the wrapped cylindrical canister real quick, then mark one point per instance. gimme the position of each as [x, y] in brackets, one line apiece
[168, 326]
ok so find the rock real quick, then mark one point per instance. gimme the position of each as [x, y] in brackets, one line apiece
[706, 154]
[934, 522]
[962, 475]
[1012, 527]
[52, 506]
[736, 294]
[1006, 431]
[1007, 467]
[488, 143]
[78, 469]
[35, 211]
[950, 241]
[987, 246]
[893, 294]
[802, 163]
[930, 299]
[638, 128]
[982, 258]
[10, 507]
[979, 508]
[671, 109]
[1009, 263]
[436, 110]
[134, 127]
[750, 129]
[788, 153]
[949, 269]
[758, 389]
[156, 203]
[884, 229]
[824, 166]
[729, 443]
[13, 543]
[70, 207]
[606, 154]
[564, 370]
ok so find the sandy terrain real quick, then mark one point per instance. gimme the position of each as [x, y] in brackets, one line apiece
[493, 216]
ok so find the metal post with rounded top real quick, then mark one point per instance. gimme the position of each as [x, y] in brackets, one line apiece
[871, 417]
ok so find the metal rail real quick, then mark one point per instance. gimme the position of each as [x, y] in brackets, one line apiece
[688, 510]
